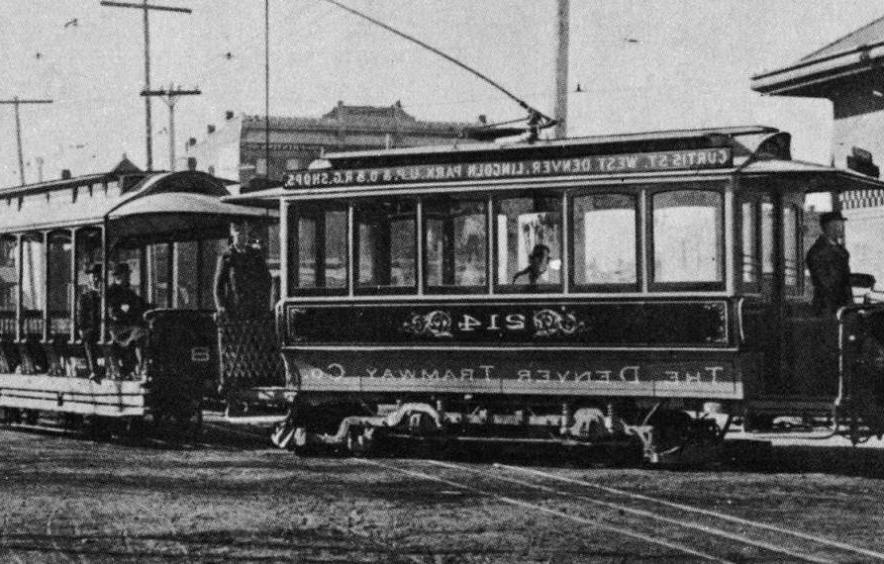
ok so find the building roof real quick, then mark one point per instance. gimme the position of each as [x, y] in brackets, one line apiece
[867, 35]
[858, 54]
[355, 117]
[124, 167]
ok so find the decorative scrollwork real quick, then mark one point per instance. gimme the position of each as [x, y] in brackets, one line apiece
[550, 323]
[436, 323]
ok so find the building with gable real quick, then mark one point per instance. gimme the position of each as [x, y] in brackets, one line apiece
[849, 72]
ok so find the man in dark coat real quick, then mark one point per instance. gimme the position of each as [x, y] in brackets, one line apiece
[242, 280]
[125, 311]
[89, 318]
[829, 265]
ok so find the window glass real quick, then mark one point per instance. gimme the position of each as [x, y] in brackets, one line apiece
[790, 245]
[60, 283]
[688, 236]
[322, 248]
[456, 243]
[210, 250]
[132, 257]
[605, 239]
[88, 253]
[767, 238]
[33, 281]
[307, 252]
[529, 241]
[8, 274]
[386, 244]
[750, 258]
[159, 271]
[186, 276]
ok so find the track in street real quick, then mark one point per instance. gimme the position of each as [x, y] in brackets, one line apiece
[676, 528]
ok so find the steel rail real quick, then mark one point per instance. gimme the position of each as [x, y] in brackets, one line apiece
[650, 514]
[540, 509]
[708, 512]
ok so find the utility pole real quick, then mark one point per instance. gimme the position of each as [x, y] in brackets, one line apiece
[170, 97]
[267, 88]
[16, 101]
[561, 111]
[145, 7]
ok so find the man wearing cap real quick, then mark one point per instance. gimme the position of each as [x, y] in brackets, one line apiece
[125, 311]
[829, 265]
[89, 318]
[242, 280]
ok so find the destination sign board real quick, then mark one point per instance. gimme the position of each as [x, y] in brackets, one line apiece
[687, 159]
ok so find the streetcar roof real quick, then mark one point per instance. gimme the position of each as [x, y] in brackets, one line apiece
[160, 192]
[702, 153]
[648, 141]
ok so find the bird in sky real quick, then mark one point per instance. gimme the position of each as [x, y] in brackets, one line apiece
[228, 55]
[579, 88]
[72, 23]
[38, 55]
[631, 40]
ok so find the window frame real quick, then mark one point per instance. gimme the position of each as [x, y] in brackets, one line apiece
[626, 287]
[650, 253]
[449, 290]
[315, 211]
[359, 290]
[509, 288]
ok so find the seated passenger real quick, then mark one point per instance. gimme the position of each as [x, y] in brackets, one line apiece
[125, 310]
[538, 263]
[89, 318]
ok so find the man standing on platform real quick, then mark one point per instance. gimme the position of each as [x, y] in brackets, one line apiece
[242, 280]
[89, 318]
[829, 265]
[246, 331]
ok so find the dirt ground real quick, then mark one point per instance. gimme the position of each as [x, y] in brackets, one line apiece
[71, 499]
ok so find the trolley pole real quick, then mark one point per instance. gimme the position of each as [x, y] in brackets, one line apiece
[561, 111]
[16, 101]
[145, 7]
[170, 96]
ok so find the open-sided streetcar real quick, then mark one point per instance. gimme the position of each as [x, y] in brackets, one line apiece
[167, 229]
[582, 290]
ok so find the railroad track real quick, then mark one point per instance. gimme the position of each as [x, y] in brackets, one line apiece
[652, 527]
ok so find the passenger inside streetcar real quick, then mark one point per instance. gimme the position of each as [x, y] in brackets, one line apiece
[538, 263]
[89, 318]
[126, 315]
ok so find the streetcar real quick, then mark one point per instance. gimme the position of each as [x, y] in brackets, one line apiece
[643, 286]
[167, 228]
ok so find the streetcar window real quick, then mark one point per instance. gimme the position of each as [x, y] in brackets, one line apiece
[767, 238]
[790, 246]
[529, 234]
[60, 283]
[132, 257]
[159, 277]
[88, 253]
[599, 220]
[688, 236]
[186, 261]
[750, 252]
[33, 281]
[456, 243]
[321, 248]
[8, 284]
[385, 244]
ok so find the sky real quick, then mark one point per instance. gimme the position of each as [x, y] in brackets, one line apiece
[641, 65]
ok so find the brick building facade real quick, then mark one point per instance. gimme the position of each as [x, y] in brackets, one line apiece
[236, 148]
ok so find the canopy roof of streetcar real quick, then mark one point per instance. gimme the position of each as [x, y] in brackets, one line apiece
[159, 203]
